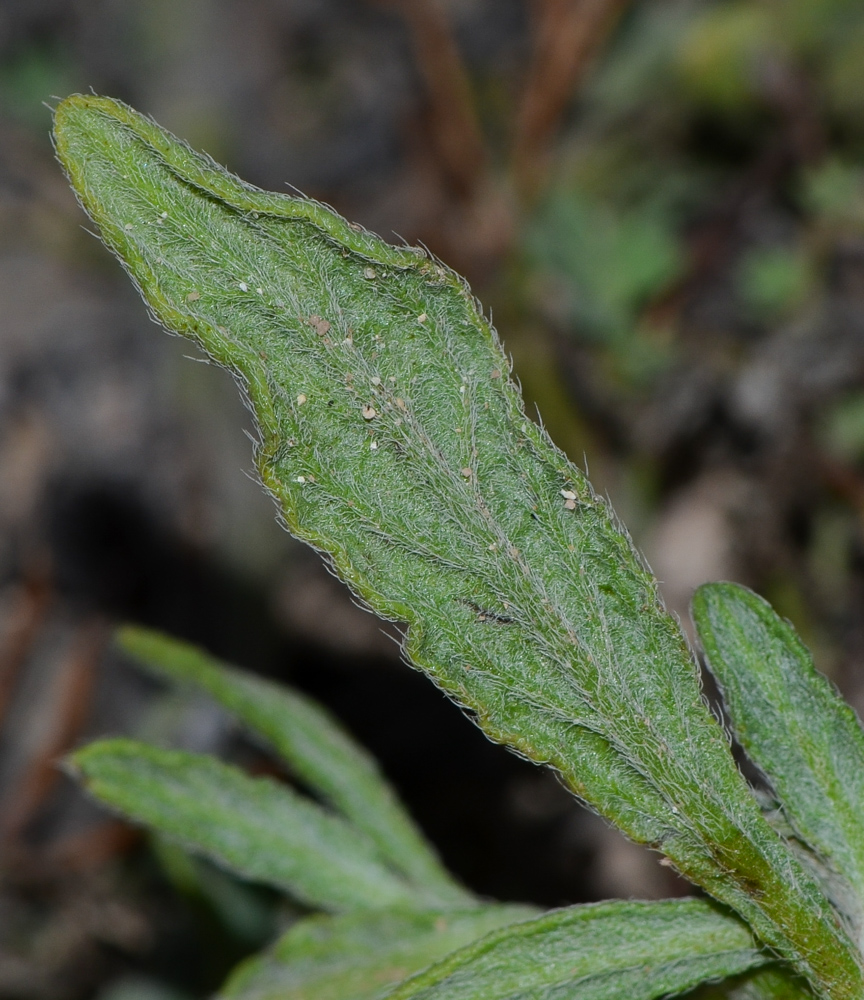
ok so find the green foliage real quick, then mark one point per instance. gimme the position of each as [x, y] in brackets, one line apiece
[836, 192]
[775, 280]
[36, 69]
[394, 441]
[246, 910]
[253, 826]
[612, 261]
[314, 746]
[735, 128]
[841, 429]
[361, 955]
[795, 727]
[720, 56]
[611, 950]
[604, 263]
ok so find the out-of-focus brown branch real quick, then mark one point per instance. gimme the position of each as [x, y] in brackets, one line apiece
[71, 697]
[786, 88]
[843, 480]
[476, 222]
[94, 847]
[567, 34]
[27, 615]
[454, 128]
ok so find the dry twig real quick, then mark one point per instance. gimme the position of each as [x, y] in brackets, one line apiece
[73, 686]
[25, 620]
[567, 34]
[453, 124]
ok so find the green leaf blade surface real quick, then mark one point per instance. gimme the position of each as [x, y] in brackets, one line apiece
[792, 723]
[316, 747]
[254, 827]
[395, 442]
[605, 951]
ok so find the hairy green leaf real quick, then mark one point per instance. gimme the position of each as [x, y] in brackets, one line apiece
[793, 724]
[253, 826]
[318, 749]
[360, 956]
[608, 951]
[395, 442]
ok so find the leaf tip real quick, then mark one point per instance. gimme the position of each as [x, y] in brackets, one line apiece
[135, 640]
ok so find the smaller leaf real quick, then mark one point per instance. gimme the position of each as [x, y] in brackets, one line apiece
[791, 722]
[317, 748]
[362, 955]
[606, 951]
[255, 827]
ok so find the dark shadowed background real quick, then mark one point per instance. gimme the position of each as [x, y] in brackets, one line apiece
[663, 205]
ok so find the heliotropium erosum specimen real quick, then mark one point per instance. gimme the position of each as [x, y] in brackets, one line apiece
[395, 442]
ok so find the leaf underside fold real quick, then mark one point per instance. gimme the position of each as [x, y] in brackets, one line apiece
[395, 442]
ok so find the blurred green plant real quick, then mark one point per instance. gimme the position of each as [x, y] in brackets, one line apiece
[27, 76]
[841, 428]
[775, 281]
[712, 170]
[396, 443]
[604, 263]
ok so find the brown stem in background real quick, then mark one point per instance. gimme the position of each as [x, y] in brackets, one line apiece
[94, 847]
[787, 89]
[567, 34]
[453, 125]
[25, 620]
[71, 696]
[475, 225]
[844, 480]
